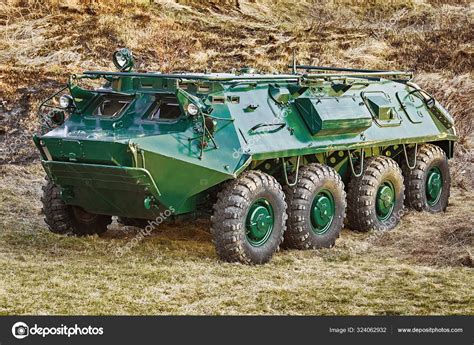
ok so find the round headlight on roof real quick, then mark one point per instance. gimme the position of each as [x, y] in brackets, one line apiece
[120, 60]
[192, 109]
[123, 59]
[65, 101]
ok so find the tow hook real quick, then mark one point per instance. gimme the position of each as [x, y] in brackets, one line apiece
[149, 202]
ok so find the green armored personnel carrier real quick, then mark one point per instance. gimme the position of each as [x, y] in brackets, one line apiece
[275, 159]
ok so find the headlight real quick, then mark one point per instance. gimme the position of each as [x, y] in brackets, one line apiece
[123, 59]
[65, 101]
[192, 109]
[57, 117]
[120, 60]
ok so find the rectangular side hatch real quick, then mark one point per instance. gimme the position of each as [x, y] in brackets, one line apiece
[382, 108]
[334, 115]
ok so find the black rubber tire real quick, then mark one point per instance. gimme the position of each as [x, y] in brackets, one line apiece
[312, 179]
[230, 212]
[427, 157]
[135, 222]
[362, 193]
[56, 212]
[63, 219]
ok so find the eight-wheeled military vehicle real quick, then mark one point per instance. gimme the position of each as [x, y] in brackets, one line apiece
[277, 159]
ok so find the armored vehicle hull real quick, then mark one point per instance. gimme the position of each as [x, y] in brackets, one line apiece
[273, 158]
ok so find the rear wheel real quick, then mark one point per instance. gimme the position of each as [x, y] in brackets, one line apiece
[67, 219]
[375, 199]
[249, 219]
[316, 208]
[427, 186]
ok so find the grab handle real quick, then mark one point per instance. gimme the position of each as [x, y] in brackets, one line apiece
[260, 125]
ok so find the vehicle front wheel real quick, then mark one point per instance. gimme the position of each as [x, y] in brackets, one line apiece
[249, 219]
[67, 219]
[316, 208]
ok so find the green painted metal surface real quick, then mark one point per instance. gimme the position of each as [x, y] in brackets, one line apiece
[105, 189]
[385, 200]
[434, 186]
[381, 107]
[187, 133]
[322, 212]
[334, 115]
[259, 223]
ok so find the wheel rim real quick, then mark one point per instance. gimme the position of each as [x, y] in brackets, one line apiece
[385, 201]
[259, 223]
[434, 186]
[322, 212]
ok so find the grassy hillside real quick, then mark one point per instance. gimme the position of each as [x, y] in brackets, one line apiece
[42, 41]
[424, 266]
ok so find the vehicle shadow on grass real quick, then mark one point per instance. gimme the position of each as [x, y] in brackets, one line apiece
[197, 230]
[177, 239]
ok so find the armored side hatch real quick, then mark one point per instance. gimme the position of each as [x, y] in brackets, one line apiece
[334, 115]
[383, 110]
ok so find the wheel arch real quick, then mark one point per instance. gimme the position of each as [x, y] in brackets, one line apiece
[338, 159]
[446, 145]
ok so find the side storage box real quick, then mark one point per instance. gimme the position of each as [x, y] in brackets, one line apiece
[334, 115]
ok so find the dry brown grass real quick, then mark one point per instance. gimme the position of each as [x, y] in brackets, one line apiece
[42, 41]
[457, 92]
[435, 239]
[422, 267]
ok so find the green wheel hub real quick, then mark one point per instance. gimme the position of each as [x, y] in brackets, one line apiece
[259, 223]
[385, 200]
[322, 212]
[434, 186]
